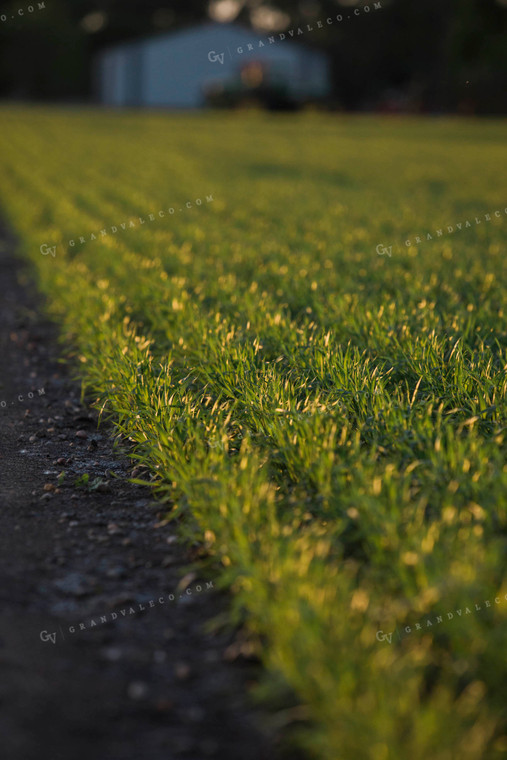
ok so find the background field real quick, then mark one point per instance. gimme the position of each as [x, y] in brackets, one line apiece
[328, 423]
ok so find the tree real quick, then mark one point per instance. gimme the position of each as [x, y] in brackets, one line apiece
[433, 47]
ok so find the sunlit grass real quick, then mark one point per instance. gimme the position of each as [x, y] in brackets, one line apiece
[328, 423]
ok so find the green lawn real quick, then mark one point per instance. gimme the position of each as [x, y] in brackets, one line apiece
[328, 423]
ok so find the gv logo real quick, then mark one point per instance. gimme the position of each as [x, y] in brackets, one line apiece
[381, 636]
[44, 249]
[214, 57]
[45, 636]
[383, 250]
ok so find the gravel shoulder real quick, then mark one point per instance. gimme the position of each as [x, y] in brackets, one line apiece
[150, 683]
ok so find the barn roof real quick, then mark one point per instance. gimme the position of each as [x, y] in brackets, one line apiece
[242, 35]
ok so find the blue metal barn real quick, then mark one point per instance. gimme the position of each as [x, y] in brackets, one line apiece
[177, 69]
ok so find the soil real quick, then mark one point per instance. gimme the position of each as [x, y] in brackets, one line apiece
[152, 683]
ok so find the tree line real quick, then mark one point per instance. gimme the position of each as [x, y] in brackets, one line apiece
[421, 55]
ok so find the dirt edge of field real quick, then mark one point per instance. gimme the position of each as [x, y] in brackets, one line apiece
[79, 544]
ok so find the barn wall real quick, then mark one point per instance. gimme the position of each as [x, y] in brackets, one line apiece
[174, 70]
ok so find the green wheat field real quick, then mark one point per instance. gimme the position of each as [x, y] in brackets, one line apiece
[325, 419]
